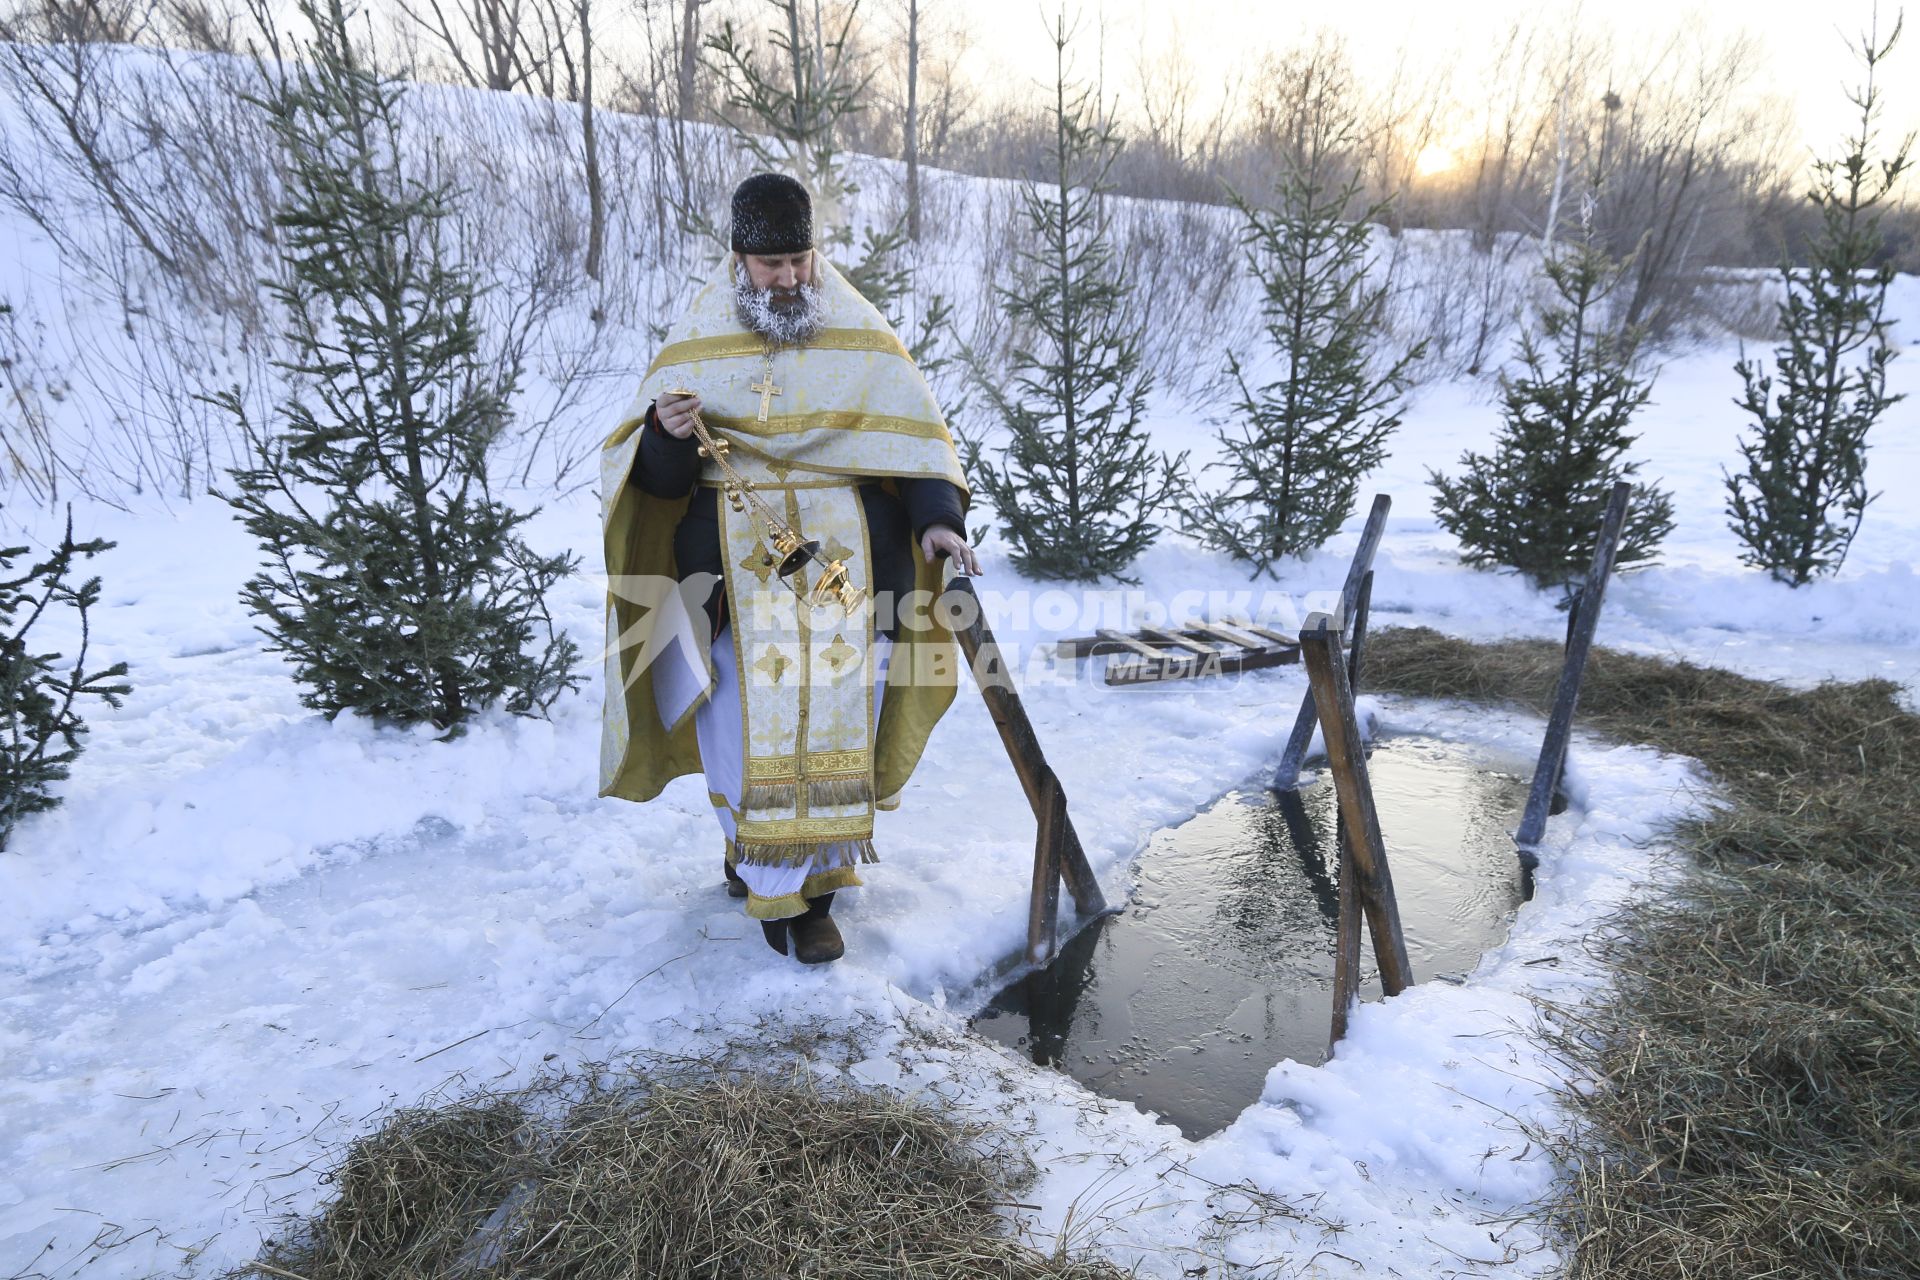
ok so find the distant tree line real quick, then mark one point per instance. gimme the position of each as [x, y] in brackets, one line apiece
[1616, 187]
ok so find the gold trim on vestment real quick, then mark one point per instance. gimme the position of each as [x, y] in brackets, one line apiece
[847, 877]
[784, 907]
[623, 432]
[834, 469]
[722, 346]
[869, 668]
[787, 424]
[804, 620]
[827, 482]
[783, 768]
[822, 830]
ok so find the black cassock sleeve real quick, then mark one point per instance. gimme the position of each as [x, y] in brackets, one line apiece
[931, 501]
[894, 527]
[667, 466]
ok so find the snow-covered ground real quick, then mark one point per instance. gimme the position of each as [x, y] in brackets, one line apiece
[247, 929]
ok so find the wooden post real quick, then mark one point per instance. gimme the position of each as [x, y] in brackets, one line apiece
[1357, 632]
[1346, 947]
[1057, 853]
[1359, 822]
[1287, 776]
[1346, 956]
[1585, 619]
[1043, 912]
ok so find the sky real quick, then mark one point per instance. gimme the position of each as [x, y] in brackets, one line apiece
[1803, 45]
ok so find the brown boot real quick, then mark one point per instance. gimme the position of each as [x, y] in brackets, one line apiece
[736, 887]
[816, 938]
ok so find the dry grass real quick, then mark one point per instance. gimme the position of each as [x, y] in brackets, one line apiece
[1758, 1108]
[677, 1172]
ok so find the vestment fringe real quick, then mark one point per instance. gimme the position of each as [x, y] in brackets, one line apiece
[801, 853]
[820, 792]
[771, 795]
[829, 881]
[828, 791]
[784, 907]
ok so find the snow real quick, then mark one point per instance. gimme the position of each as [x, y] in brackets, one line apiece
[249, 929]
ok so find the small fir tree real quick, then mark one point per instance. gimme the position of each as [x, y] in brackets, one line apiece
[1798, 501]
[1536, 503]
[1298, 446]
[1076, 485]
[393, 580]
[36, 699]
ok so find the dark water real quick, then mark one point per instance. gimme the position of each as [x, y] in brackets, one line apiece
[1223, 963]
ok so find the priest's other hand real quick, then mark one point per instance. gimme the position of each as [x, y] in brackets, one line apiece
[675, 414]
[940, 538]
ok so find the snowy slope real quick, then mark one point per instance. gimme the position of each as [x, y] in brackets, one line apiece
[248, 929]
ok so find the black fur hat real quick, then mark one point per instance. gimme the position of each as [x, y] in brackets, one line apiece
[772, 214]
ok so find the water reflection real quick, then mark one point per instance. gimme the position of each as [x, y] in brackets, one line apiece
[1050, 998]
[1222, 964]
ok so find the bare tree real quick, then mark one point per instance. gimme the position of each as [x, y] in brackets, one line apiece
[686, 102]
[1669, 181]
[596, 192]
[1309, 94]
[524, 46]
[1179, 153]
[490, 27]
[1563, 108]
[951, 99]
[911, 130]
[52, 62]
[207, 25]
[1400, 122]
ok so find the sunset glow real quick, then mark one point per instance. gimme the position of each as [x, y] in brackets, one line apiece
[1434, 158]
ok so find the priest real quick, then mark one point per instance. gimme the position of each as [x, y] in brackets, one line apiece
[805, 712]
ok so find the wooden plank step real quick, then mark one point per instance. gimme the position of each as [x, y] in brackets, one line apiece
[1232, 634]
[1081, 647]
[1128, 642]
[1108, 641]
[1268, 633]
[1111, 641]
[1173, 638]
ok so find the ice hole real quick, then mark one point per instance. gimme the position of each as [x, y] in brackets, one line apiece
[1222, 964]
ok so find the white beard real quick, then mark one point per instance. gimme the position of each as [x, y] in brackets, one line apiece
[757, 312]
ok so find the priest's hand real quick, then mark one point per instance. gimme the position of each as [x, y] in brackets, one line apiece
[675, 414]
[939, 538]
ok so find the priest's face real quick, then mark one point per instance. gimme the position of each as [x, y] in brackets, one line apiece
[776, 296]
[783, 273]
